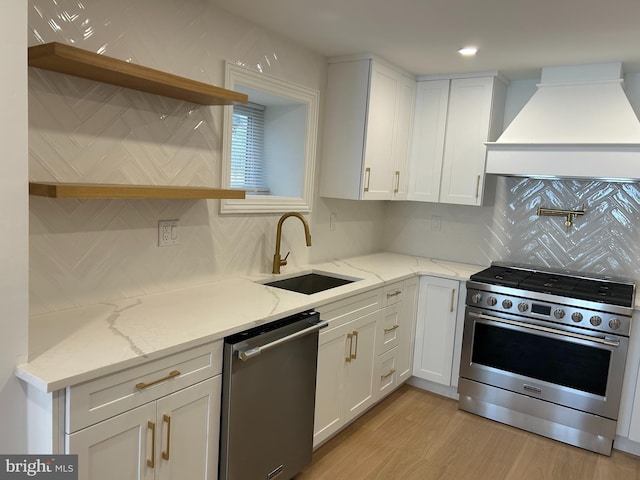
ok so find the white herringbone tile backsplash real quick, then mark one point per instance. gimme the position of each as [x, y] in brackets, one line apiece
[605, 240]
[83, 131]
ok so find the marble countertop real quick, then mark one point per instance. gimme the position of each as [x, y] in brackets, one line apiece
[72, 346]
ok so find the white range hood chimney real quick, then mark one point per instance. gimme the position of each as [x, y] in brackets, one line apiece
[578, 124]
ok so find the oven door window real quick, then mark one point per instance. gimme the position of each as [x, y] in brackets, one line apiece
[553, 360]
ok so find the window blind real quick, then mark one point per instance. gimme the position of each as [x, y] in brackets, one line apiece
[247, 149]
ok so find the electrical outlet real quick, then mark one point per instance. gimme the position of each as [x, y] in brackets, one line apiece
[436, 223]
[332, 221]
[167, 233]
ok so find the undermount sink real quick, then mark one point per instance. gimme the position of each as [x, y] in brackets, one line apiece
[310, 283]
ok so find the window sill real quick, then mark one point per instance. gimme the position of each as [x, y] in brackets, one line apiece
[264, 204]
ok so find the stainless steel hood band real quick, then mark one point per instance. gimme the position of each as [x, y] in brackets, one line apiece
[601, 340]
[245, 355]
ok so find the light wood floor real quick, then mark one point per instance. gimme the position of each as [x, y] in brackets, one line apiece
[418, 435]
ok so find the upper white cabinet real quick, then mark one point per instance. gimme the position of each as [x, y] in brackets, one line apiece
[453, 119]
[432, 99]
[367, 132]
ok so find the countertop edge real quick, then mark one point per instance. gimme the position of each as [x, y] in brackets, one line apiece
[375, 270]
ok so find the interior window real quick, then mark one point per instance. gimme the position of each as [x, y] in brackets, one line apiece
[270, 144]
[247, 149]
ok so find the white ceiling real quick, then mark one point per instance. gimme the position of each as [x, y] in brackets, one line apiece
[516, 37]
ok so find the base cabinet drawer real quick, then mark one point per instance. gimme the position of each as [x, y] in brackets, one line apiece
[389, 328]
[387, 372]
[96, 400]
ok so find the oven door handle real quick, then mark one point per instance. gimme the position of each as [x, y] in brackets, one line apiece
[601, 340]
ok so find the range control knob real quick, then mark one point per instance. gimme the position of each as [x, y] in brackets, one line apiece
[614, 324]
[476, 298]
[507, 304]
[558, 313]
[576, 317]
[523, 307]
[491, 301]
[595, 320]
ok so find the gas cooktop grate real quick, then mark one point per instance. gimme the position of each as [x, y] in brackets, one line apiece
[582, 288]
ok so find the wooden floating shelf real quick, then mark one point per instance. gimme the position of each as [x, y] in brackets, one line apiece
[74, 61]
[108, 191]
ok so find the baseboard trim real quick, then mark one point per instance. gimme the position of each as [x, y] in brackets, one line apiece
[444, 390]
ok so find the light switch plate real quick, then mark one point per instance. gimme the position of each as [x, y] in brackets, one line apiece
[167, 233]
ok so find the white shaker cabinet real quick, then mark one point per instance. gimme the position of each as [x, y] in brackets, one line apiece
[364, 353]
[634, 430]
[157, 420]
[346, 360]
[172, 438]
[435, 329]
[432, 99]
[396, 330]
[407, 334]
[453, 119]
[402, 142]
[344, 384]
[360, 347]
[367, 133]
[116, 448]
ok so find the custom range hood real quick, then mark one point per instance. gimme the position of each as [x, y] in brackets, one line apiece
[578, 124]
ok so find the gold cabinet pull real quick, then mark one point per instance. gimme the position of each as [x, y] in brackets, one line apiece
[350, 338]
[142, 385]
[152, 462]
[397, 189]
[391, 329]
[167, 420]
[453, 294]
[394, 294]
[389, 373]
[355, 335]
[367, 174]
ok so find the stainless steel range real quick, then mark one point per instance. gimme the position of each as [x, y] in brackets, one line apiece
[545, 351]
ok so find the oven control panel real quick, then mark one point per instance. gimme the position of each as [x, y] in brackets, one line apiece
[571, 315]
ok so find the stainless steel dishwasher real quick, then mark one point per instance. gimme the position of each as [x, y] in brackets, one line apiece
[268, 399]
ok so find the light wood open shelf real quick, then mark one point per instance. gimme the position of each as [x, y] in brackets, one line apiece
[109, 191]
[82, 63]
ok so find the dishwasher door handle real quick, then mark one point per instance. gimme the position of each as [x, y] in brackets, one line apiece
[248, 354]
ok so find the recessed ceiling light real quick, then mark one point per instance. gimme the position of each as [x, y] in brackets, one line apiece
[468, 51]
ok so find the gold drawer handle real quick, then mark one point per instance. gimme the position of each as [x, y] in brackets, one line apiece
[350, 338]
[394, 294]
[167, 419]
[391, 372]
[152, 426]
[387, 330]
[142, 385]
[354, 356]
